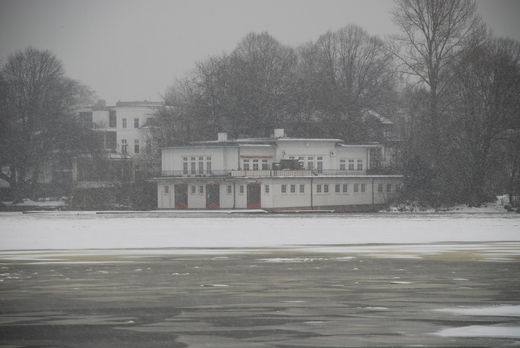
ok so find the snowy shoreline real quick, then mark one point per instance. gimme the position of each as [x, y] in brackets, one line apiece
[91, 231]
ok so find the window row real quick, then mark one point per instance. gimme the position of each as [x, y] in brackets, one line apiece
[137, 147]
[125, 125]
[300, 188]
[255, 164]
[196, 165]
[350, 164]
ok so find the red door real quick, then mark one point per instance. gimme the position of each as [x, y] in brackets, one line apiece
[181, 196]
[212, 196]
[253, 196]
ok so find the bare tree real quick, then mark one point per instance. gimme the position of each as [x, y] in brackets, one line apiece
[433, 33]
[37, 106]
[485, 110]
[231, 92]
[345, 72]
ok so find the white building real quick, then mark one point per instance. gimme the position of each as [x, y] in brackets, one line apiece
[122, 139]
[274, 173]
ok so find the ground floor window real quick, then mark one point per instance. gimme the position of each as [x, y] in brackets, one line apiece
[356, 187]
[380, 188]
[345, 187]
[229, 189]
[388, 187]
[318, 188]
[242, 189]
[337, 187]
[302, 188]
[326, 188]
[284, 188]
[293, 188]
[166, 189]
[266, 187]
[363, 187]
[193, 189]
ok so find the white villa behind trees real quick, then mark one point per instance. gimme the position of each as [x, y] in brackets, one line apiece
[274, 173]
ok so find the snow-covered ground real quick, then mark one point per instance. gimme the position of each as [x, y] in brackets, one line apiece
[90, 231]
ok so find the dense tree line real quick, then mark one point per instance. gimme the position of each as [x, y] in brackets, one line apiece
[319, 89]
[450, 86]
[464, 106]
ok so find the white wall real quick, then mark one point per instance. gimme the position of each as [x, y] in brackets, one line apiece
[275, 198]
[130, 133]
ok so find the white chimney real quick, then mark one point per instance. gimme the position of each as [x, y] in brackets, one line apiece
[222, 136]
[279, 133]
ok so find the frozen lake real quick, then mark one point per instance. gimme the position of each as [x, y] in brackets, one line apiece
[220, 280]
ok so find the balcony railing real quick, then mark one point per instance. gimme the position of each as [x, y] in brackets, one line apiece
[262, 173]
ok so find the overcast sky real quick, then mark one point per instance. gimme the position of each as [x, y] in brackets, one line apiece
[133, 50]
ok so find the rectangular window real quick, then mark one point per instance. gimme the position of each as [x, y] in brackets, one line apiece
[342, 165]
[266, 188]
[136, 123]
[255, 164]
[265, 166]
[345, 187]
[201, 189]
[148, 146]
[229, 189]
[293, 188]
[193, 165]
[326, 188]
[363, 187]
[166, 189]
[397, 187]
[246, 164]
[111, 141]
[112, 120]
[284, 188]
[356, 187]
[350, 164]
[241, 188]
[337, 187]
[359, 164]
[388, 187]
[380, 188]
[136, 146]
[124, 122]
[201, 164]
[310, 163]
[320, 164]
[193, 189]
[124, 146]
[185, 165]
[318, 188]
[302, 188]
[208, 164]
